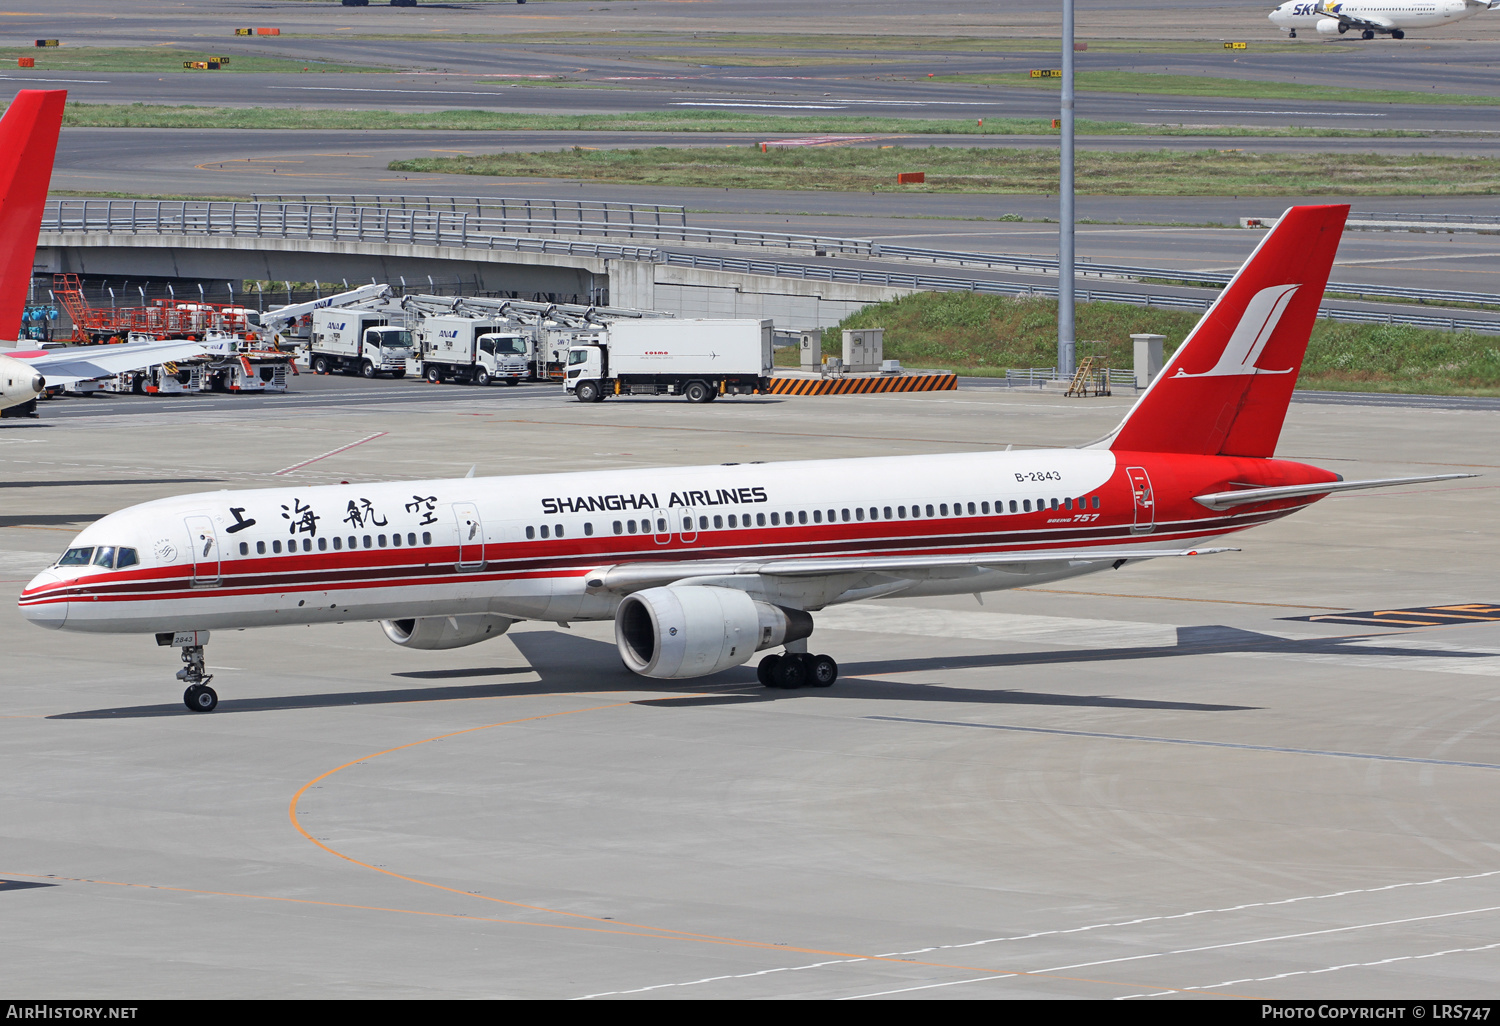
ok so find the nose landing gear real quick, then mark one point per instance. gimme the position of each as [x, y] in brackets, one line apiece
[198, 697]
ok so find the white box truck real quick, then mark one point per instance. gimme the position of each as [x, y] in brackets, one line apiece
[358, 342]
[698, 359]
[472, 351]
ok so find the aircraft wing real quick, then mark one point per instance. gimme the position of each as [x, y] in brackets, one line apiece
[63, 367]
[627, 577]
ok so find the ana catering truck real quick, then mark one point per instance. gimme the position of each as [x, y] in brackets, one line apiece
[697, 359]
[474, 351]
[358, 342]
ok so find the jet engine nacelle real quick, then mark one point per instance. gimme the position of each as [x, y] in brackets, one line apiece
[691, 631]
[1330, 26]
[432, 633]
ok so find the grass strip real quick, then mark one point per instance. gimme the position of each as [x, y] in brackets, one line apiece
[149, 115]
[985, 334]
[1203, 85]
[157, 60]
[974, 170]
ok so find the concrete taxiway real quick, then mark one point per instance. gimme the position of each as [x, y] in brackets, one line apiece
[1155, 782]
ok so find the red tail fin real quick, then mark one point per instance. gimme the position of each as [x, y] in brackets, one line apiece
[1226, 390]
[28, 144]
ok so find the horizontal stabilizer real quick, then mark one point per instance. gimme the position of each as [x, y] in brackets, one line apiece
[634, 576]
[1247, 496]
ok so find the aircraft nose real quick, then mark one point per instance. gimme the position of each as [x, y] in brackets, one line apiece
[36, 608]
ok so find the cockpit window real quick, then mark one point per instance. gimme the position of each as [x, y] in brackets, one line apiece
[104, 556]
[124, 558]
[77, 557]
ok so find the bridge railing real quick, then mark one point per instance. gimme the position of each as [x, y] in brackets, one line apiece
[469, 230]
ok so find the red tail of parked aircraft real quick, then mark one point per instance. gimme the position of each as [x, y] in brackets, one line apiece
[28, 144]
[1225, 391]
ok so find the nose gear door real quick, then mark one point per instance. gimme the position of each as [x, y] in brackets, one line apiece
[1145, 501]
[203, 542]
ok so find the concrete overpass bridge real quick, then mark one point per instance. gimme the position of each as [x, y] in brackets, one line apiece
[621, 254]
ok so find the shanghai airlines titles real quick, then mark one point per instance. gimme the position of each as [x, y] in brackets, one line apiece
[701, 567]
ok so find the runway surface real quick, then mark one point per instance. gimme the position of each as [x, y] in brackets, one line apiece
[1142, 783]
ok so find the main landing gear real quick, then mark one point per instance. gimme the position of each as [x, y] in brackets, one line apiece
[797, 670]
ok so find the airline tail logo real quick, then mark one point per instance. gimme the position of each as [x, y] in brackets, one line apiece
[1251, 334]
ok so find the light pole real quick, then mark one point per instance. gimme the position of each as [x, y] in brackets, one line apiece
[1065, 339]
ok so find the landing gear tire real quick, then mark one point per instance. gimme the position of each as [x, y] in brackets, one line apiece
[1367, 34]
[766, 671]
[482, 377]
[200, 698]
[434, 375]
[697, 392]
[822, 672]
[790, 673]
[1292, 34]
[368, 369]
[320, 366]
[588, 392]
[1398, 34]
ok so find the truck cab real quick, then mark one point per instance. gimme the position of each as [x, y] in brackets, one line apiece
[358, 342]
[505, 356]
[588, 366]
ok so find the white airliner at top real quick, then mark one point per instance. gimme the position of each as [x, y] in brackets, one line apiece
[1367, 17]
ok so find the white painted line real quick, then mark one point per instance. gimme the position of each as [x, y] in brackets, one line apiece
[330, 452]
[28, 78]
[1118, 924]
[1318, 113]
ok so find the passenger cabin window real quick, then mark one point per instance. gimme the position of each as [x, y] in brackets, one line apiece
[260, 547]
[244, 548]
[530, 532]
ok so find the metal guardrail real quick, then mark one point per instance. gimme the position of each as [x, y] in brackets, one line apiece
[525, 207]
[456, 227]
[1433, 218]
[394, 224]
[939, 283]
[365, 224]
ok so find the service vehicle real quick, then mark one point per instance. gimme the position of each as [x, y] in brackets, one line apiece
[355, 341]
[472, 350]
[698, 359]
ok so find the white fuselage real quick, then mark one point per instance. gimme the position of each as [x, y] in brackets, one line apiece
[523, 547]
[1396, 14]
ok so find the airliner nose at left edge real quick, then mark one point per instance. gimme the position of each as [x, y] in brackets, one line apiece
[38, 608]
